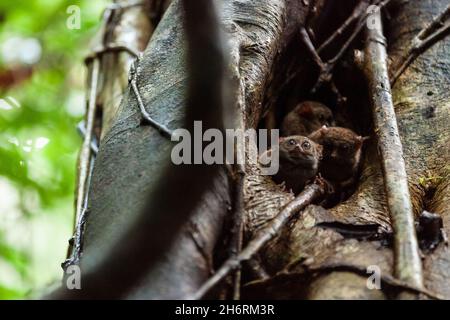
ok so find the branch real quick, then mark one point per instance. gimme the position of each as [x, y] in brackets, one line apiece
[326, 68]
[310, 194]
[238, 224]
[86, 151]
[108, 40]
[76, 242]
[356, 14]
[408, 267]
[134, 70]
[438, 29]
[81, 128]
[85, 165]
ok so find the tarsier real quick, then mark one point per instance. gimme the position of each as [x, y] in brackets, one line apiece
[334, 152]
[298, 161]
[307, 117]
[341, 155]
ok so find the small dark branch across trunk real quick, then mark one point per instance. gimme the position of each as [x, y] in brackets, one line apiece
[436, 30]
[310, 194]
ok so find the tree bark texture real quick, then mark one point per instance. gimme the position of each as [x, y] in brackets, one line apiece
[323, 238]
[324, 253]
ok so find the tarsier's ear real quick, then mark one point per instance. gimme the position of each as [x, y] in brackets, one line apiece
[362, 139]
[318, 133]
[320, 151]
[323, 130]
[305, 109]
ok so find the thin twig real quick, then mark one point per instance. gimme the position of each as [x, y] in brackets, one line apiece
[81, 127]
[86, 151]
[338, 56]
[79, 231]
[76, 242]
[310, 194]
[408, 267]
[85, 165]
[133, 82]
[325, 71]
[309, 45]
[326, 68]
[111, 47]
[438, 29]
[356, 14]
[237, 229]
[315, 54]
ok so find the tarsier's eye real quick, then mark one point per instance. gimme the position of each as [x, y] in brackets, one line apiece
[306, 145]
[292, 142]
[321, 118]
[345, 147]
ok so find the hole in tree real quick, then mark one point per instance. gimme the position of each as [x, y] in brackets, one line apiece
[296, 73]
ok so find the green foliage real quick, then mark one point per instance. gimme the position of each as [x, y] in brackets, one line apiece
[39, 143]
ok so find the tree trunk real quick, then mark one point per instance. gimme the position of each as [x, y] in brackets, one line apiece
[324, 253]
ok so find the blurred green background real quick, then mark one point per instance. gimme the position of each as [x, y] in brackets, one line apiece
[42, 80]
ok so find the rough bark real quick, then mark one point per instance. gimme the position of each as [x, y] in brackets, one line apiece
[421, 105]
[132, 29]
[322, 253]
[124, 32]
[254, 30]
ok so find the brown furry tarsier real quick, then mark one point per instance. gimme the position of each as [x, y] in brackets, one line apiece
[341, 155]
[298, 161]
[307, 117]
